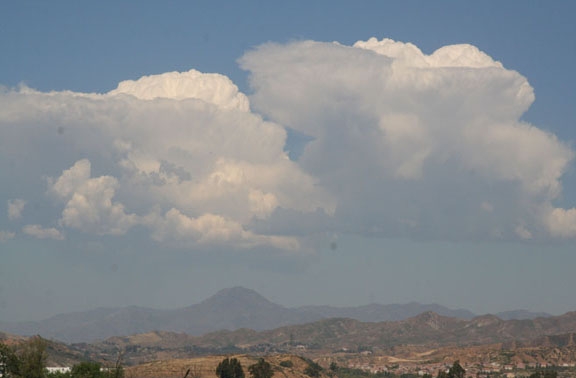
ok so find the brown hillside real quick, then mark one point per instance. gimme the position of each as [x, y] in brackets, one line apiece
[205, 367]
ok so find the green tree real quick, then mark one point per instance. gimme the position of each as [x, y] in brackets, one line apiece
[544, 374]
[9, 362]
[456, 371]
[286, 363]
[230, 368]
[87, 369]
[90, 369]
[32, 358]
[313, 369]
[261, 369]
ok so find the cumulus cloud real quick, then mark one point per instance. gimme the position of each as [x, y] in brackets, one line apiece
[39, 232]
[179, 154]
[15, 207]
[90, 207]
[89, 201]
[401, 143]
[6, 235]
[211, 229]
[561, 222]
[430, 146]
[213, 88]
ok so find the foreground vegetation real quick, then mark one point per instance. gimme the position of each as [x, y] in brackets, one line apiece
[28, 360]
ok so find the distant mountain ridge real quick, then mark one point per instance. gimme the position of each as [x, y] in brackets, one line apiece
[379, 313]
[427, 328]
[228, 309]
[521, 315]
[425, 332]
[426, 338]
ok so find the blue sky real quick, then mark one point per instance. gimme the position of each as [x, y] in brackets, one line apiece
[455, 255]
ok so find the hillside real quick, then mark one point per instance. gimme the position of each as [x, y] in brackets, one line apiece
[380, 313]
[428, 328]
[425, 340]
[205, 367]
[423, 332]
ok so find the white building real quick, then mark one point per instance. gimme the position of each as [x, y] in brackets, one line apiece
[58, 369]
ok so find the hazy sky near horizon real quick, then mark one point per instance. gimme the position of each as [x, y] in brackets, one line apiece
[334, 152]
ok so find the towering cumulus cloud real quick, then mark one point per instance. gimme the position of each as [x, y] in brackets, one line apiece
[179, 154]
[412, 144]
[401, 144]
[212, 88]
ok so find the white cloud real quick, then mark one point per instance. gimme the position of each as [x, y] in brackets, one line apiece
[448, 56]
[402, 143]
[15, 208]
[425, 145]
[177, 142]
[71, 179]
[561, 222]
[90, 207]
[89, 202]
[523, 233]
[39, 232]
[6, 235]
[211, 229]
[213, 88]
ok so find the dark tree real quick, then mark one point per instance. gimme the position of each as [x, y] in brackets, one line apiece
[544, 374]
[87, 370]
[9, 362]
[230, 368]
[261, 369]
[456, 371]
[313, 369]
[58, 374]
[286, 363]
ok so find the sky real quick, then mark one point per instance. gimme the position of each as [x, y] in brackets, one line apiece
[333, 152]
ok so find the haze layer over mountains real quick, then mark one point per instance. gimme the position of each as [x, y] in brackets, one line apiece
[230, 309]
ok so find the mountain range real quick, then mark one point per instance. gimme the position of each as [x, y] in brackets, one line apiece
[425, 338]
[427, 330]
[229, 309]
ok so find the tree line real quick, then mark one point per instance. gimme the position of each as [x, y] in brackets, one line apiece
[232, 368]
[28, 360]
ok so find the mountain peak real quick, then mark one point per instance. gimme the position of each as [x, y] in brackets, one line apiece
[238, 297]
[237, 291]
[431, 319]
[426, 317]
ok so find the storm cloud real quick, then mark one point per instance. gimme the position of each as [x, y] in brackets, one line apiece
[409, 144]
[401, 144]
